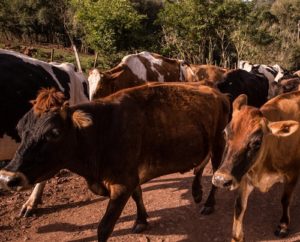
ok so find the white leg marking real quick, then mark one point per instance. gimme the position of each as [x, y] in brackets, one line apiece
[34, 199]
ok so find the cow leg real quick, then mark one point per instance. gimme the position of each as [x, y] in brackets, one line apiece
[196, 186]
[239, 211]
[119, 195]
[34, 199]
[216, 158]
[282, 229]
[141, 223]
[97, 188]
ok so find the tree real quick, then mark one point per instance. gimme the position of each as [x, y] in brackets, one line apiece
[110, 25]
[199, 30]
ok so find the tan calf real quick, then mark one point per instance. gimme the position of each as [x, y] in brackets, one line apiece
[262, 148]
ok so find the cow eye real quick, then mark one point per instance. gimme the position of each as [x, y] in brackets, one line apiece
[255, 144]
[53, 134]
[288, 87]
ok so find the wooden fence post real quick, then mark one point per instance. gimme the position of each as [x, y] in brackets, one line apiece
[298, 36]
[52, 55]
[96, 59]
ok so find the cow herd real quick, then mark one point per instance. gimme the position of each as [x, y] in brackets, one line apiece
[150, 116]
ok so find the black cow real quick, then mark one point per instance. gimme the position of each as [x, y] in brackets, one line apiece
[239, 81]
[20, 80]
[121, 141]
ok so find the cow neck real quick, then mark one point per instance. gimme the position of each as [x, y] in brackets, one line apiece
[91, 147]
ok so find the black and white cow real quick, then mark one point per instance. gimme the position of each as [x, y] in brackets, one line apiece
[20, 80]
[138, 69]
[272, 73]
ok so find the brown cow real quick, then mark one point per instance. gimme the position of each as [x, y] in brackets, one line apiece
[262, 149]
[122, 141]
[209, 74]
[138, 69]
[285, 85]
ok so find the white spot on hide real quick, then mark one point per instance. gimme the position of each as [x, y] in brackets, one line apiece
[93, 79]
[136, 66]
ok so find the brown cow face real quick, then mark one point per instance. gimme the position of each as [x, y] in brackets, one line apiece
[248, 138]
[105, 87]
[44, 149]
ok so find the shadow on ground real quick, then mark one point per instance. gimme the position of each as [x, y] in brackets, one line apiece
[262, 215]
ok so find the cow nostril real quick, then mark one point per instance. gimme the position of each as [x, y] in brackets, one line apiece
[227, 183]
[14, 182]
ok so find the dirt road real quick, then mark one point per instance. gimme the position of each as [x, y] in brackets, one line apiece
[70, 212]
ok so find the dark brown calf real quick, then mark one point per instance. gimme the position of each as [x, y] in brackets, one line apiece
[284, 86]
[262, 148]
[122, 141]
[209, 74]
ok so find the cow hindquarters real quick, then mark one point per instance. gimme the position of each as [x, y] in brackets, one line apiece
[282, 229]
[35, 198]
[239, 211]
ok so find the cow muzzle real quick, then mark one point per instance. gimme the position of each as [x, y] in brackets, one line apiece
[13, 180]
[224, 180]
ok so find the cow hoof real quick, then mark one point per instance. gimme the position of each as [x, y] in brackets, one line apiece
[139, 227]
[281, 232]
[237, 240]
[27, 211]
[207, 210]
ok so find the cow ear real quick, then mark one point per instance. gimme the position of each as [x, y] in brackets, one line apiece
[81, 119]
[283, 128]
[239, 102]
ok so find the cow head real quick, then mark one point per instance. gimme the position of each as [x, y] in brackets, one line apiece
[289, 85]
[118, 78]
[108, 84]
[283, 86]
[186, 73]
[249, 136]
[231, 84]
[46, 135]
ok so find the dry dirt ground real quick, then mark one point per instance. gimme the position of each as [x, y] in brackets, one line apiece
[70, 212]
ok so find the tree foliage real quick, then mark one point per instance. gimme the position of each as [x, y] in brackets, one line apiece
[110, 25]
[200, 31]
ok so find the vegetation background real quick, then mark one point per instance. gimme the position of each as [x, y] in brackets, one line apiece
[200, 31]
